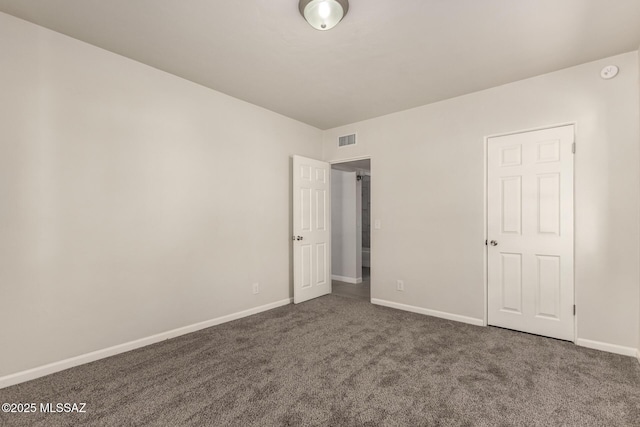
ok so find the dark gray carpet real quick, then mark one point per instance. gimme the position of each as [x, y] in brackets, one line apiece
[338, 361]
[360, 291]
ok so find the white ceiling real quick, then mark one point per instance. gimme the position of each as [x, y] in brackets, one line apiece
[385, 56]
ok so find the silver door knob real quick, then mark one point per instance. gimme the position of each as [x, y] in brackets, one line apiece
[494, 243]
[299, 238]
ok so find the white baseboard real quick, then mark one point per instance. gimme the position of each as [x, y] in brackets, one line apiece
[428, 312]
[51, 368]
[610, 348]
[354, 280]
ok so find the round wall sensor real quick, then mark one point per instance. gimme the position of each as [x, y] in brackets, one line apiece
[609, 72]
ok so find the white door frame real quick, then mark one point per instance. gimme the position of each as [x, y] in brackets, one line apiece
[485, 263]
[350, 159]
[354, 159]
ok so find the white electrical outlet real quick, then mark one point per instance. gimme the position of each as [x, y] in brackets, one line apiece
[400, 285]
[377, 224]
[256, 288]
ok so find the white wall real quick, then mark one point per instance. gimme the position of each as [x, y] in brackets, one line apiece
[435, 242]
[344, 263]
[132, 201]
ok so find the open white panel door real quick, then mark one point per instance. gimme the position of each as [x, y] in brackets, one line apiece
[530, 231]
[311, 229]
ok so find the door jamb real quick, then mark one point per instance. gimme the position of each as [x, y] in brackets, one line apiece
[348, 160]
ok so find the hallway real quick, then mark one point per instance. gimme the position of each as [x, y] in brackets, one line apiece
[359, 291]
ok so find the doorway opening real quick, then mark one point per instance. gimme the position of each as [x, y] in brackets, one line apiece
[351, 229]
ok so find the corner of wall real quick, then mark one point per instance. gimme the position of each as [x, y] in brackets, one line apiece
[166, 197]
[638, 352]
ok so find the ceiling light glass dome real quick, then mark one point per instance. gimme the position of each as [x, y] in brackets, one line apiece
[323, 14]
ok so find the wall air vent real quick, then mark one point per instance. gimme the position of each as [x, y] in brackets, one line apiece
[347, 140]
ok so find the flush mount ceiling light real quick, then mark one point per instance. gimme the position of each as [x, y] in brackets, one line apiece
[323, 14]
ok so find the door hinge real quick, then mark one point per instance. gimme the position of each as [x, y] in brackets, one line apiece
[574, 309]
[573, 148]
